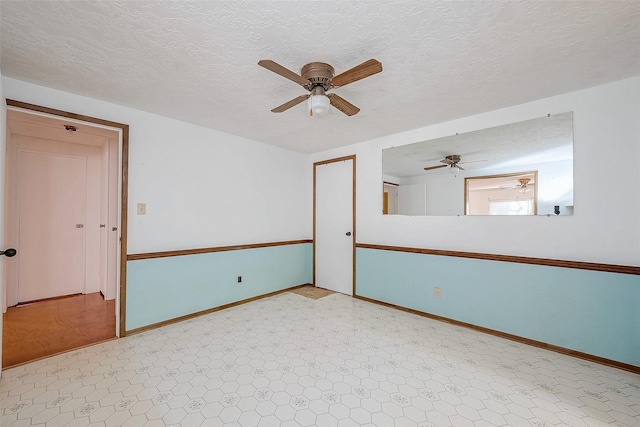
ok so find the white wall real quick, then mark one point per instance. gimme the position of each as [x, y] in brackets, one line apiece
[605, 226]
[445, 192]
[412, 199]
[202, 187]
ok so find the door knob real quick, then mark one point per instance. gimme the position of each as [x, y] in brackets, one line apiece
[79, 225]
[348, 233]
[9, 252]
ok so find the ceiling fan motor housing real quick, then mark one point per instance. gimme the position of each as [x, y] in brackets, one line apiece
[318, 74]
[454, 158]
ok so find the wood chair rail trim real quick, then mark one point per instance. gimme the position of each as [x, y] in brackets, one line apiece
[183, 252]
[608, 268]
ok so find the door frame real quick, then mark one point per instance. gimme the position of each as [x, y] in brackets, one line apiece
[124, 167]
[353, 220]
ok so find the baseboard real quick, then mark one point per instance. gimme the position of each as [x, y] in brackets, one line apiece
[23, 303]
[534, 343]
[209, 310]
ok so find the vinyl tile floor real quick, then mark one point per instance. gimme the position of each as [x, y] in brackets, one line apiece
[288, 360]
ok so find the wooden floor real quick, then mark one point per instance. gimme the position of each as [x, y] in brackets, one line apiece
[48, 327]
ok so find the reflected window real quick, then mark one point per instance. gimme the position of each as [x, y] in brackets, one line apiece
[511, 207]
[505, 194]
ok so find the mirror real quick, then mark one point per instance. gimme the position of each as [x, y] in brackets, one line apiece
[523, 168]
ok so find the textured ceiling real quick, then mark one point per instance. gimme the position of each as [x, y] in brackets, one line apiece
[197, 61]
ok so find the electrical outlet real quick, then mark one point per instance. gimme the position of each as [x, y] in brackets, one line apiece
[437, 292]
[239, 279]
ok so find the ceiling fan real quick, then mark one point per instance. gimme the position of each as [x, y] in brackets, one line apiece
[523, 187]
[318, 78]
[452, 161]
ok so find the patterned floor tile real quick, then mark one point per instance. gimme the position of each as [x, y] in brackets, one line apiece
[332, 361]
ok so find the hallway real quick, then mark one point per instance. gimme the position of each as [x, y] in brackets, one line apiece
[49, 327]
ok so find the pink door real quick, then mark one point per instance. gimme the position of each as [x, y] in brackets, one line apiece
[51, 203]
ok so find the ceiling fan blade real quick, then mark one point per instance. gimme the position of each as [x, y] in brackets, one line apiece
[341, 104]
[460, 167]
[287, 105]
[472, 161]
[359, 72]
[436, 167]
[447, 161]
[284, 72]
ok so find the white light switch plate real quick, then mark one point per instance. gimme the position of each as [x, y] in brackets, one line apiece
[142, 208]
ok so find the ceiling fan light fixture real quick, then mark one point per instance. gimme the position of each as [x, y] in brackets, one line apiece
[318, 105]
[454, 169]
[524, 185]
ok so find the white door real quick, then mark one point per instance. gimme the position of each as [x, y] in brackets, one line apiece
[51, 235]
[334, 225]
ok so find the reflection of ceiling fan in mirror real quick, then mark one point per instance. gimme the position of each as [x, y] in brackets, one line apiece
[318, 78]
[523, 187]
[453, 162]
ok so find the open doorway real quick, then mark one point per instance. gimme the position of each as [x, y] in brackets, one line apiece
[389, 198]
[65, 213]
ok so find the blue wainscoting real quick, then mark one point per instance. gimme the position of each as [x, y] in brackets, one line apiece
[592, 312]
[160, 289]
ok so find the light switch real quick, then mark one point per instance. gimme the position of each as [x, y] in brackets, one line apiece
[142, 208]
